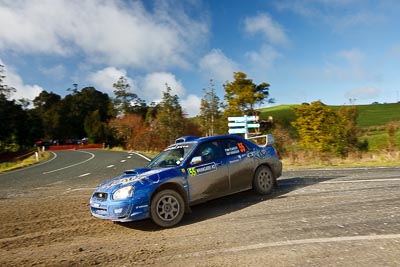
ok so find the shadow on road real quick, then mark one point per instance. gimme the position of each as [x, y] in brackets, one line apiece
[232, 203]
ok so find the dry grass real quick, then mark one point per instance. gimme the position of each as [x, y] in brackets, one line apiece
[306, 160]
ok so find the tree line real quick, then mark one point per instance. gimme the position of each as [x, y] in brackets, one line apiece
[128, 121]
[123, 120]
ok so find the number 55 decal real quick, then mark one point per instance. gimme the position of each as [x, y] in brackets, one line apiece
[192, 172]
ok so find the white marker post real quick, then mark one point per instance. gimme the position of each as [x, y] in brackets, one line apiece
[241, 125]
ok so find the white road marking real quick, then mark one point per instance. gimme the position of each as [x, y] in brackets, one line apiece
[140, 155]
[73, 165]
[345, 181]
[110, 166]
[78, 189]
[290, 243]
[123, 160]
[360, 181]
[85, 174]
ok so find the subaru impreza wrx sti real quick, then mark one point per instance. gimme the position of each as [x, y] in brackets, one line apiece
[190, 171]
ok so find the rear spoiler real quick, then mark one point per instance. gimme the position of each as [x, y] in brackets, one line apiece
[262, 140]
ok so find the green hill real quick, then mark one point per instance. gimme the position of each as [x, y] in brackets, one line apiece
[282, 114]
[369, 115]
[377, 114]
[370, 119]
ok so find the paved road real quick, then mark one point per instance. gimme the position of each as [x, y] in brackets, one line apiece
[71, 169]
[347, 217]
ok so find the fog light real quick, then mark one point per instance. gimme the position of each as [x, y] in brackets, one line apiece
[118, 211]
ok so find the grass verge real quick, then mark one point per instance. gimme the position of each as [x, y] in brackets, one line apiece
[360, 160]
[11, 165]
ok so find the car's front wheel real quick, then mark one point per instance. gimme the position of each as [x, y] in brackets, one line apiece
[167, 208]
[263, 181]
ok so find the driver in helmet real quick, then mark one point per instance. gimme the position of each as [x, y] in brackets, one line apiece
[207, 153]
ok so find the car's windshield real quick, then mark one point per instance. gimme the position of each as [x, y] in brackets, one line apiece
[171, 156]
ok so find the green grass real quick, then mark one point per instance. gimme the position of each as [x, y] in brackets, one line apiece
[377, 114]
[282, 114]
[8, 166]
[371, 120]
[379, 140]
[369, 115]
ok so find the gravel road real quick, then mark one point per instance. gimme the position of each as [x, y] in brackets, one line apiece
[348, 217]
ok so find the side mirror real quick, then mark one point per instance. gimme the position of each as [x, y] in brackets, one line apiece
[196, 160]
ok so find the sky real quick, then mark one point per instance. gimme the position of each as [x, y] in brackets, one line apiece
[335, 51]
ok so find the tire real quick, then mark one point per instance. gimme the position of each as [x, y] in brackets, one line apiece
[167, 208]
[263, 181]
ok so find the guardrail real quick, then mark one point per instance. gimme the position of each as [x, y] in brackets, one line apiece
[16, 156]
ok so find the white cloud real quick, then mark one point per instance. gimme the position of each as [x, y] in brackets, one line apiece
[272, 31]
[57, 72]
[23, 90]
[105, 78]
[340, 15]
[350, 65]
[217, 66]
[191, 105]
[353, 56]
[365, 93]
[262, 60]
[149, 88]
[28, 27]
[153, 85]
[116, 32]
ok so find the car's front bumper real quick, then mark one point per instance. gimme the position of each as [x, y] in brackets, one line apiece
[120, 211]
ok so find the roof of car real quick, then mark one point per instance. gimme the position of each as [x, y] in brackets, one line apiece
[186, 139]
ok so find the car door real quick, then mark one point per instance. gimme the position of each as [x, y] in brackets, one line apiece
[208, 176]
[240, 160]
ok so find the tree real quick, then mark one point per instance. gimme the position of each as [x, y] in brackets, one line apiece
[391, 129]
[14, 120]
[96, 129]
[79, 114]
[13, 125]
[126, 102]
[128, 128]
[46, 107]
[75, 108]
[348, 115]
[45, 101]
[242, 95]
[170, 118]
[5, 90]
[211, 119]
[320, 128]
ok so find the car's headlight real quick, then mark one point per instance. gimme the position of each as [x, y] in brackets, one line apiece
[124, 192]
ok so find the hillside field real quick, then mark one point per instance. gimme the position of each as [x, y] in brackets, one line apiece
[371, 120]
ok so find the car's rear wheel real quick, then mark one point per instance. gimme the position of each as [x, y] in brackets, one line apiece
[167, 208]
[263, 181]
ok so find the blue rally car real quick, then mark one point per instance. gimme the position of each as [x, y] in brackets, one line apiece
[191, 171]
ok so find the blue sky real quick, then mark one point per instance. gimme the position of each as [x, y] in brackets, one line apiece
[335, 51]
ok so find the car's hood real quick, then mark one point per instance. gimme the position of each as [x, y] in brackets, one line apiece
[133, 177]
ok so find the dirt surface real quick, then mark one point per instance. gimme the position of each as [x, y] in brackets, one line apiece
[314, 218]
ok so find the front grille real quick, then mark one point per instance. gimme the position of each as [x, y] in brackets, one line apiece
[100, 195]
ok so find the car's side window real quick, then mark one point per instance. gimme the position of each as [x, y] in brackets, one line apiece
[209, 151]
[234, 147]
